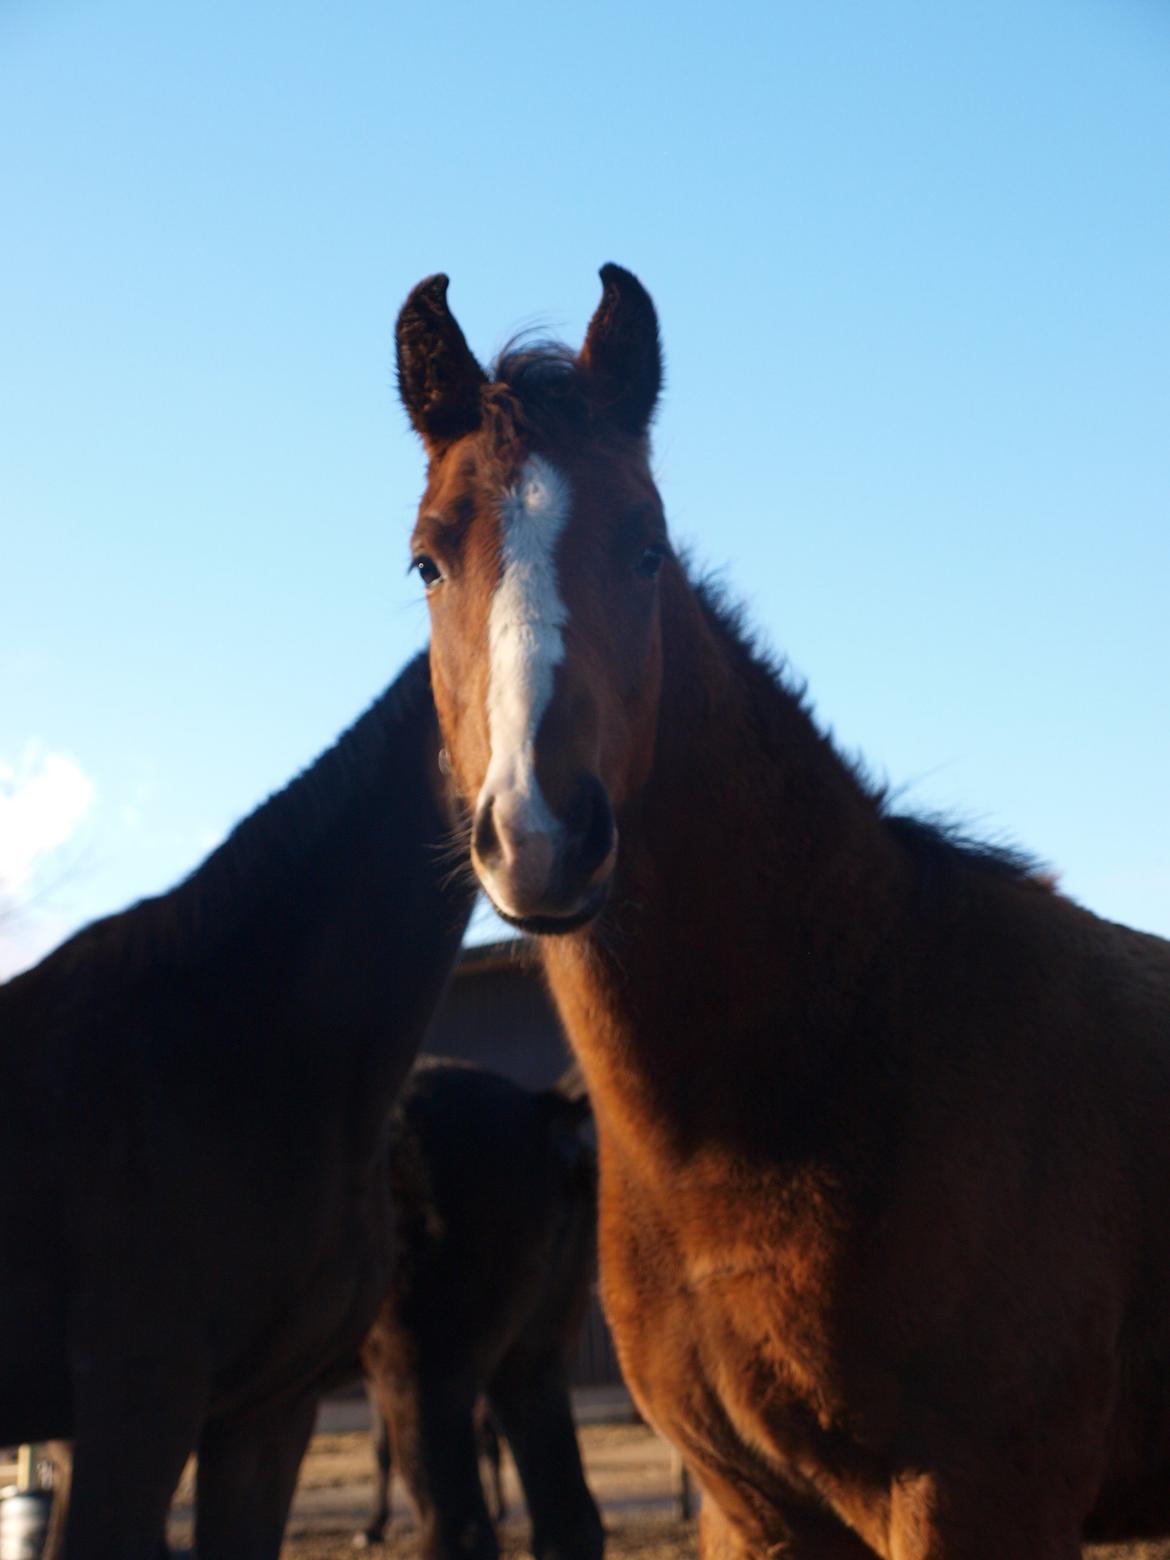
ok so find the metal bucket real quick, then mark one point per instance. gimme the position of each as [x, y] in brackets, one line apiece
[24, 1522]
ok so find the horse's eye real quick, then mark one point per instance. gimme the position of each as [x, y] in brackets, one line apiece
[651, 561]
[427, 569]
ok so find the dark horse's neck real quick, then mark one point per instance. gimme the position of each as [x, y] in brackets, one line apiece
[325, 925]
[757, 881]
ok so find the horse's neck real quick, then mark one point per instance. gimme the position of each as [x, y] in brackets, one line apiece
[340, 968]
[756, 883]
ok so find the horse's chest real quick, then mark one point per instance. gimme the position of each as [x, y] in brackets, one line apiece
[732, 1349]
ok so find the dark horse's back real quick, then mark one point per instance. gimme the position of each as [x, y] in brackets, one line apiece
[195, 1093]
[497, 1196]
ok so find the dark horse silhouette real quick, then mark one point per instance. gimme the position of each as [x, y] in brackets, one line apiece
[193, 1213]
[884, 1122]
[495, 1204]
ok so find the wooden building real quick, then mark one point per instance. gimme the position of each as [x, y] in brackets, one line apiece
[497, 1014]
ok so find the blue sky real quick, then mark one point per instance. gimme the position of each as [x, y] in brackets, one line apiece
[910, 261]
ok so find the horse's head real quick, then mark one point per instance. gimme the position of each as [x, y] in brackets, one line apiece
[540, 540]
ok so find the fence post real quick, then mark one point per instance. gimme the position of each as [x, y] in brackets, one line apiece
[681, 1478]
[26, 1468]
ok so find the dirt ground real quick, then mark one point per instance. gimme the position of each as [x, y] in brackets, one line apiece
[629, 1470]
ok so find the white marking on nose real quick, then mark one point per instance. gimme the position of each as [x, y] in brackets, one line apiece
[526, 645]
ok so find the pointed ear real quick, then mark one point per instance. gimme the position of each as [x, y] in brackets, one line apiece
[622, 355]
[438, 378]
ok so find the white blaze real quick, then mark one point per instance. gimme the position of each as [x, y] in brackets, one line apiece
[526, 646]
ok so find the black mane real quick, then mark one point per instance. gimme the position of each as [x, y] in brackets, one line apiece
[262, 854]
[537, 387]
[937, 844]
[535, 367]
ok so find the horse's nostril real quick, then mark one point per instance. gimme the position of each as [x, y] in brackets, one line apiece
[484, 838]
[590, 821]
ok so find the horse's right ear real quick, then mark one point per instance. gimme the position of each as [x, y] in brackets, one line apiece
[439, 379]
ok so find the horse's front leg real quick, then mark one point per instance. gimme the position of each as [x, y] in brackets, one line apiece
[432, 1426]
[248, 1469]
[933, 1518]
[375, 1529]
[798, 1533]
[531, 1397]
[719, 1539]
[491, 1452]
[61, 1457]
[136, 1422]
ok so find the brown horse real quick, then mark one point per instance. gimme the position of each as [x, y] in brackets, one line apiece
[495, 1208]
[884, 1123]
[194, 1217]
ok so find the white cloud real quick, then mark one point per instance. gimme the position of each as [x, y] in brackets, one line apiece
[25, 939]
[43, 798]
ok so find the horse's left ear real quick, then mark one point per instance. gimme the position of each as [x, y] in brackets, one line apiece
[439, 379]
[622, 355]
